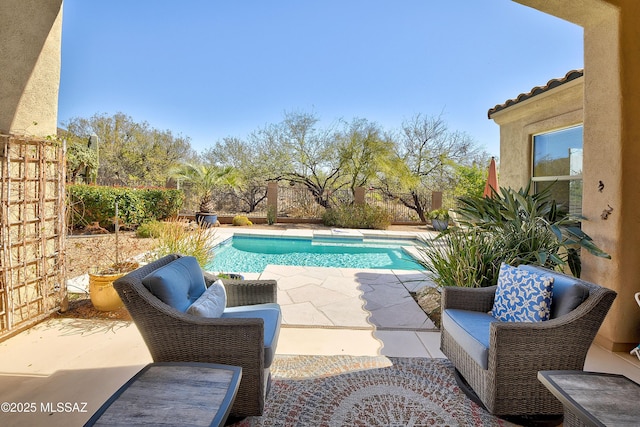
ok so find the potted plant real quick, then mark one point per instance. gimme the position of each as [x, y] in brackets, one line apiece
[439, 219]
[103, 296]
[204, 180]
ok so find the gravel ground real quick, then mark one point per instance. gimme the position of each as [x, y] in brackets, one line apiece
[85, 254]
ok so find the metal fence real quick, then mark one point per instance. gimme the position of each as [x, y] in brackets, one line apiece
[295, 201]
[398, 210]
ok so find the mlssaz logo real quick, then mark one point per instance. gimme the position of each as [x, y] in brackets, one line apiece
[52, 407]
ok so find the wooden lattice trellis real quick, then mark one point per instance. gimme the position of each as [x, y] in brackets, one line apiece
[32, 227]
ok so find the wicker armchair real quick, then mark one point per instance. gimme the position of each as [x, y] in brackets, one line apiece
[173, 336]
[518, 350]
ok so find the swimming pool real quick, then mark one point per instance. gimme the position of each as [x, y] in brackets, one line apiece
[251, 254]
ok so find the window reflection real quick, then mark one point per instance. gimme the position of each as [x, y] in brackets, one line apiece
[557, 163]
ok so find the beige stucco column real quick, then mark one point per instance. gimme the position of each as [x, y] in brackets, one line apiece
[611, 152]
[30, 42]
[272, 196]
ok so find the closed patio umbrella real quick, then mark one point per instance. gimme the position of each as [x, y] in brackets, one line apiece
[492, 179]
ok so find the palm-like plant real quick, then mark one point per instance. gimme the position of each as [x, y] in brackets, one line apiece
[514, 227]
[531, 228]
[204, 180]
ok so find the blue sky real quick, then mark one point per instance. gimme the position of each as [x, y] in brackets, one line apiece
[208, 69]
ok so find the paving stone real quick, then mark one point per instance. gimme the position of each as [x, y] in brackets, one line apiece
[347, 313]
[304, 314]
[316, 295]
[343, 285]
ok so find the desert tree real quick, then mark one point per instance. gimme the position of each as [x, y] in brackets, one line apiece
[130, 152]
[255, 161]
[429, 153]
[365, 152]
[309, 155]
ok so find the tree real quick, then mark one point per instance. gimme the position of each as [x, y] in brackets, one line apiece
[309, 155]
[82, 160]
[430, 154]
[471, 179]
[131, 153]
[205, 181]
[253, 161]
[365, 152]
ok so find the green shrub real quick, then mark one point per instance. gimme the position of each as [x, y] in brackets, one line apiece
[241, 220]
[531, 228]
[514, 227]
[161, 204]
[149, 229]
[357, 216]
[89, 203]
[272, 216]
[462, 258]
[439, 214]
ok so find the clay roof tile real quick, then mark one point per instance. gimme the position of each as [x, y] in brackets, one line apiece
[553, 83]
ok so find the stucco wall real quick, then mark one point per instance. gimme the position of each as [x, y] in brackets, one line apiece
[611, 152]
[555, 109]
[30, 34]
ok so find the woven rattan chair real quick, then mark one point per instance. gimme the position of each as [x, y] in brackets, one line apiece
[518, 350]
[173, 336]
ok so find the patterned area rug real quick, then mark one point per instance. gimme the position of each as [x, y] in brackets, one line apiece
[367, 391]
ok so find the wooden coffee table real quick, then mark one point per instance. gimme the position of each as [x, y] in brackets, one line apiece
[594, 398]
[195, 394]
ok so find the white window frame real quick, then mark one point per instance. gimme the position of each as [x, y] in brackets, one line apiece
[542, 179]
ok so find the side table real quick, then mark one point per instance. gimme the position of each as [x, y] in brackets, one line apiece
[195, 394]
[594, 398]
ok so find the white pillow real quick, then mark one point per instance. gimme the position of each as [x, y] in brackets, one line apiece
[211, 303]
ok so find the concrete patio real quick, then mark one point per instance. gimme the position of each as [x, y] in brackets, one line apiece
[326, 311]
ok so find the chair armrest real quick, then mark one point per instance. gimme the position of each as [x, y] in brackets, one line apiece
[227, 341]
[567, 338]
[173, 336]
[474, 299]
[247, 292]
[526, 348]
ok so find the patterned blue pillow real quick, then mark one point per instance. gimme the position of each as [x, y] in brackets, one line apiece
[522, 296]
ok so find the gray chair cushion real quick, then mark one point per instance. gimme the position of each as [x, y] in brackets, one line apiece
[211, 303]
[567, 293]
[178, 284]
[471, 330]
[272, 317]
[567, 298]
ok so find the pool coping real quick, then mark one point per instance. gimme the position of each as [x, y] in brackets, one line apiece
[222, 236]
[334, 232]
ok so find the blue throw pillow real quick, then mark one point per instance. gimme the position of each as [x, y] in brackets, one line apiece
[178, 284]
[522, 296]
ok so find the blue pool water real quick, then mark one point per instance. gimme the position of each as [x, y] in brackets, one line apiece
[251, 254]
